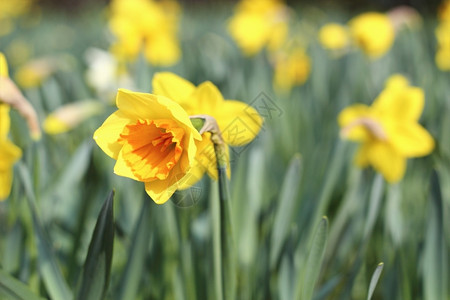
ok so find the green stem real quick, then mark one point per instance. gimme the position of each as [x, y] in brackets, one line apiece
[227, 251]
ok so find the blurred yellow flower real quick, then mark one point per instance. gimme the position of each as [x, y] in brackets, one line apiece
[146, 25]
[291, 68]
[71, 115]
[238, 122]
[444, 11]
[373, 33]
[152, 140]
[388, 130]
[9, 153]
[334, 36]
[9, 10]
[259, 23]
[443, 50]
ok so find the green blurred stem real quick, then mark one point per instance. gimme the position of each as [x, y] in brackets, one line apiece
[226, 254]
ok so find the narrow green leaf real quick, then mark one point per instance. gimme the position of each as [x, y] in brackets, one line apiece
[131, 278]
[283, 215]
[51, 274]
[313, 262]
[97, 266]
[13, 248]
[374, 280]
[14, 289]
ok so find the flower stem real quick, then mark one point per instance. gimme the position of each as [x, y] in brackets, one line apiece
[227, 253]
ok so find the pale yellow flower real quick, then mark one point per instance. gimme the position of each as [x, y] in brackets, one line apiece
[334, 36]
[291, 68]
[388, 130]
[373, 32]
[146, 25]
[259, 23]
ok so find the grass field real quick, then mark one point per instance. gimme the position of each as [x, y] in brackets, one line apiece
[300, 221]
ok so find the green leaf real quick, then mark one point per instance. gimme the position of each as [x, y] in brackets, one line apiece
[283, 216]
[313, 262]
[374, 280]
[131, 278]
[97, 267]
[14, 289]
[51, 274]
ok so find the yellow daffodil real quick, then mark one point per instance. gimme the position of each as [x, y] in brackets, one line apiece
[291, 68]
[238, 122]
[334, 36]
[71, 115]
[10, 10]
[443, 52]
[9, 153]
[146, 25]
[444, 11]
[152, 140]
[373, 33]
[259, 23]
[388, 130]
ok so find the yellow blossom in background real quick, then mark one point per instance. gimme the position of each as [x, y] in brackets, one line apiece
[71, 115]
[239, 123]
[444, 11]
[373, 32]
[152, 140]
[442, 57]
[388, 130]
[291, 68]
[334, 36]
[9, 153]
[259, 23]
[9, 10]
[145, 25]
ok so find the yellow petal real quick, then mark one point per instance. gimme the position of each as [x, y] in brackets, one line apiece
[362, 156]
[205, 100]
[106, 136]
[9, 154]
[6, 177]
[161, 190]
[386, 161]
[3, 66]
[411, 139]
[122, 169]
[4, 121]
[238, 122]
[400, 104]
[192, 177]
[151, 107]
[173, 87]
[348, 119]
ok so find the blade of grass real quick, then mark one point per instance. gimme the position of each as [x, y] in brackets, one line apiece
[14, 289]
[51, 273]
[374, 280]
[283, 215]
[130, 280]
[309, 277]
[97, 267]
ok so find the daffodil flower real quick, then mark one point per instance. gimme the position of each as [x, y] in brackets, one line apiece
[9, 153]
[373, 32]
[259, 23]
[334, 36]
[292, 67]
[238, 122]
[388, 130]
[152, 140]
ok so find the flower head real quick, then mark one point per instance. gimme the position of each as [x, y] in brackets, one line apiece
[291, 68]
[238, 122]
[259, 23]
[388, 130]
[373, 33]
[152, 140]
[146, 25]
[9, 153]
[334, 36]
